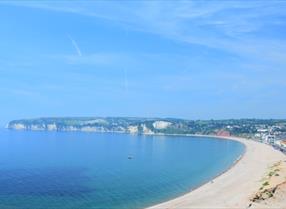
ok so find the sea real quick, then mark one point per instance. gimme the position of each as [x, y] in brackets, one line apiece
[82, 170]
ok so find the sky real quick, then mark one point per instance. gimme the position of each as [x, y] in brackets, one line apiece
[184, 59]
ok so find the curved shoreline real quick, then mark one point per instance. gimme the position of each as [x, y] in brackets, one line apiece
[233, 187]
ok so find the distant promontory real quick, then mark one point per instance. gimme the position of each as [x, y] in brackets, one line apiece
[238, 127]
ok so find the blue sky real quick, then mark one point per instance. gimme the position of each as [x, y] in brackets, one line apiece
[186, 59]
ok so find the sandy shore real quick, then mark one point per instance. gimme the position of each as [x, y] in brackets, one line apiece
[235, 188]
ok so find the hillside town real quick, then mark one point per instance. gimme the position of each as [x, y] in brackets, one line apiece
[272, 134]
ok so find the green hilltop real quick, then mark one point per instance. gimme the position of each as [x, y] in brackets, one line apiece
[237, 127]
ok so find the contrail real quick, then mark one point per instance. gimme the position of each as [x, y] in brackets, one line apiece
[75, 46]
[125, 81]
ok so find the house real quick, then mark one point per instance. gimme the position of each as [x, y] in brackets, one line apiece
[283, 143]
[270, 139]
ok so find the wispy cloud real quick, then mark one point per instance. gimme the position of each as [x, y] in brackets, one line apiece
[240, 28]
[99, 58]
[235, 27]
[19, 91]
[232, 26]
[75, 45]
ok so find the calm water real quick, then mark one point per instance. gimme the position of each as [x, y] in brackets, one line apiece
[73, 170]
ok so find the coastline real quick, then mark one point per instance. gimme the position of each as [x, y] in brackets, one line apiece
[234, 187]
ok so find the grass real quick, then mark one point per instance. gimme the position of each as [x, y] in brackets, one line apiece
[266, 183]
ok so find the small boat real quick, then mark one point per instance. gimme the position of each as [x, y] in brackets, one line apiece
[130, 157]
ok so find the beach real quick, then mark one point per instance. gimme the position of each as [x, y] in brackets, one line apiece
[242, 186]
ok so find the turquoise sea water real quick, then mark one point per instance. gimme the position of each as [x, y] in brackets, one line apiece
[74, 170]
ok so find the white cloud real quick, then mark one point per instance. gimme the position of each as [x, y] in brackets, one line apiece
[231, 26]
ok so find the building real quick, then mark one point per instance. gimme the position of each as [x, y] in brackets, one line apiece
[270, 139]
[281, 145]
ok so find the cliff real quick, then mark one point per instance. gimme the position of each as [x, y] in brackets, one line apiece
[238, 127]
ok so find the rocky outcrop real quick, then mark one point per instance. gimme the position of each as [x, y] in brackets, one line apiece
[161, 124]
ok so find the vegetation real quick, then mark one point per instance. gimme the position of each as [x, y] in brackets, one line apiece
[237, 127]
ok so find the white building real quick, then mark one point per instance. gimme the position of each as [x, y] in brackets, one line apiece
[270, 139]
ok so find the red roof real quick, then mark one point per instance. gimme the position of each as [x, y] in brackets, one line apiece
[283, 141]
[223, 133]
